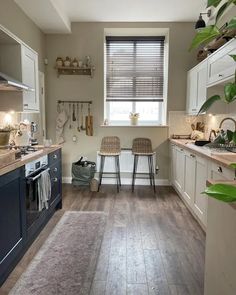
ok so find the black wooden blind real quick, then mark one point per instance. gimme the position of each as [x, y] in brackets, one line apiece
[134, 68]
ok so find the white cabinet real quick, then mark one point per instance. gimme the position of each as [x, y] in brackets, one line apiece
[189, 177]
[196, 87]
[218, 172]
[221, 65]
[30, 78]
[190, 173]
[200, 200]
[179, 169]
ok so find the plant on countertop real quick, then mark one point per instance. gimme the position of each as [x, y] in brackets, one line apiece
[219, 191]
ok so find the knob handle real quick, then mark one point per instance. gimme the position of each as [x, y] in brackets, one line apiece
[55, 169]
[55, 179]
[219, 169]
[55, 156]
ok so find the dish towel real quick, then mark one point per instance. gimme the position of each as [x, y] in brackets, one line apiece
[60, 123]
[44, 190]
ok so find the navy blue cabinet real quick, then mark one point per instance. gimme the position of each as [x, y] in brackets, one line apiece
[12, 219]
[54, 161]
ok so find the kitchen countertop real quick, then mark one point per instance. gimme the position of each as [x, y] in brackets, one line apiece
[221, 158]
[28, 158]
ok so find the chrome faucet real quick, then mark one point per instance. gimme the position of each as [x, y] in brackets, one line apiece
[225, 119]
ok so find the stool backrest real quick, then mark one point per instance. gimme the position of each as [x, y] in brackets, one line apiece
[142, 145]
[110, 144]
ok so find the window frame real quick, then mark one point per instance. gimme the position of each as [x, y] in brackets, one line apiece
[162, 114]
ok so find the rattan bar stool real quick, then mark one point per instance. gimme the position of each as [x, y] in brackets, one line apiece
[110, 147]
[143, 147]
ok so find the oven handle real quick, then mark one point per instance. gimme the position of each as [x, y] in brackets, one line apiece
[30, 179]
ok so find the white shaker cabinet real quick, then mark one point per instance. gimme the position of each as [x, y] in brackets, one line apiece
[30, 78]
[200, 200]
[189, 177]
[221, 66]
[196, 87]
[179, 169]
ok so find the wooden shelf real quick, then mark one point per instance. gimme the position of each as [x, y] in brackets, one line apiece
[75, 71]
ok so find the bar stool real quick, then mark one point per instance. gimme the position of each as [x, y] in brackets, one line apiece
[110, 147]
[143, 147]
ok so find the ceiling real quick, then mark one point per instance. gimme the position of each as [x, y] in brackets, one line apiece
[55, 16]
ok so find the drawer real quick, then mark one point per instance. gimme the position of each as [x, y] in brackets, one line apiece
[54, 157]
[219, 172]
[220, 65]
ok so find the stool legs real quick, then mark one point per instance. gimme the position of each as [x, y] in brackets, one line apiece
[134, 171]
[101, 171]
[151, 172]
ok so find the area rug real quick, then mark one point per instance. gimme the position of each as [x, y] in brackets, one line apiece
[66, 263]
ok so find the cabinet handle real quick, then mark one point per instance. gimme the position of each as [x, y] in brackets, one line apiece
[181, 150]
[26, 105]
[55, 169]
[55, 179]
[219, 169]
[55, 156]
[194, 109]
[220, 75]
[192, 156]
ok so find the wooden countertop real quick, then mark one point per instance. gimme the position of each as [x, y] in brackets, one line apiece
[28, 158]
[222, 158]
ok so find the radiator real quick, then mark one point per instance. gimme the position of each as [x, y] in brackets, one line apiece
[126, 163]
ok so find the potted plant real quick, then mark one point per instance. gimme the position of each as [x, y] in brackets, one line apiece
[220, 191]
[134, 118]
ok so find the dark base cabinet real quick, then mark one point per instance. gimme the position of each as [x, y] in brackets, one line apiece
[15, 239]
[12, 221]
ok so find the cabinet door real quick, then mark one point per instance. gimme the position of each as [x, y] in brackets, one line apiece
[189, 177]
[12, 222]
[179, 169]
[221, 65]
[30, 78]
[201, 200]
[191, 92]
[173, 162]
[201, 84]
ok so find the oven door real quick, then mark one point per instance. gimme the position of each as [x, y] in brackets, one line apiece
[32, 198]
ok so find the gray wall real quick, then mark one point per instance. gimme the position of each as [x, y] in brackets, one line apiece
[16, 21]
[88, 39]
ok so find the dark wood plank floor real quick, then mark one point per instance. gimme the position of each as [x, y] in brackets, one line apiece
[152, 244]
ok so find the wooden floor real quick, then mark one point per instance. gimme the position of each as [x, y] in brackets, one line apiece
[152, 244]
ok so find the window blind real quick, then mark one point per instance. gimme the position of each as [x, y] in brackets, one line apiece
[134, 68]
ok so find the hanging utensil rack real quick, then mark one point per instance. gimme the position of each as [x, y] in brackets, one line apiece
[75, 101]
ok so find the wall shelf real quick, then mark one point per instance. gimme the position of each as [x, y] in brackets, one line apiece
[89, 71]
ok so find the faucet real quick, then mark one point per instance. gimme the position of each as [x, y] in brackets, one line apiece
[210, 135]
[225, 119]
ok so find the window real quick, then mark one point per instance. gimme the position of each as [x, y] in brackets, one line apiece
[135, 79]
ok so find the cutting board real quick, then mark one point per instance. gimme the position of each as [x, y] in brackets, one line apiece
[89, 123]
[7, 157]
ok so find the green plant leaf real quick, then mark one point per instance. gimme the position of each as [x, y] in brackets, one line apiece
[208, 103]
[221, 11]
[230, 92]
[232, 24]
[214, 3]
[232, 165]
[222, 192]
[233, 56]
[229, 135]
[234, 137]
[204, 35]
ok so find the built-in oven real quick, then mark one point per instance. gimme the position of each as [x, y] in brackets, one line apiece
[33, 172]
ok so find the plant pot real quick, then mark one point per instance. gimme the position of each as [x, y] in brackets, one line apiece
[134, 121]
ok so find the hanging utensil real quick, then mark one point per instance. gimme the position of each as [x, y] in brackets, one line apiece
[82, 118]
[70, 126]
[77, 111]
[73, 115]
[89, 122]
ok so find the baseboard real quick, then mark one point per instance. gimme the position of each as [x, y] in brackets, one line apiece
[126, 181]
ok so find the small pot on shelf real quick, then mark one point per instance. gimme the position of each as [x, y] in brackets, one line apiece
[134, 118]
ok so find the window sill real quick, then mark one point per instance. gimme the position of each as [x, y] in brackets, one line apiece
[137, 126]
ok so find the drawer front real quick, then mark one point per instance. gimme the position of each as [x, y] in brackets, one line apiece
[54, 157]
[219, 172]
[220, 65]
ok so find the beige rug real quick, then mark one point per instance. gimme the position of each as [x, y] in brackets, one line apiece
[67, 261]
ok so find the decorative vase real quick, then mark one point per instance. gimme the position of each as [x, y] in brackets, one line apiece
[134, 121]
